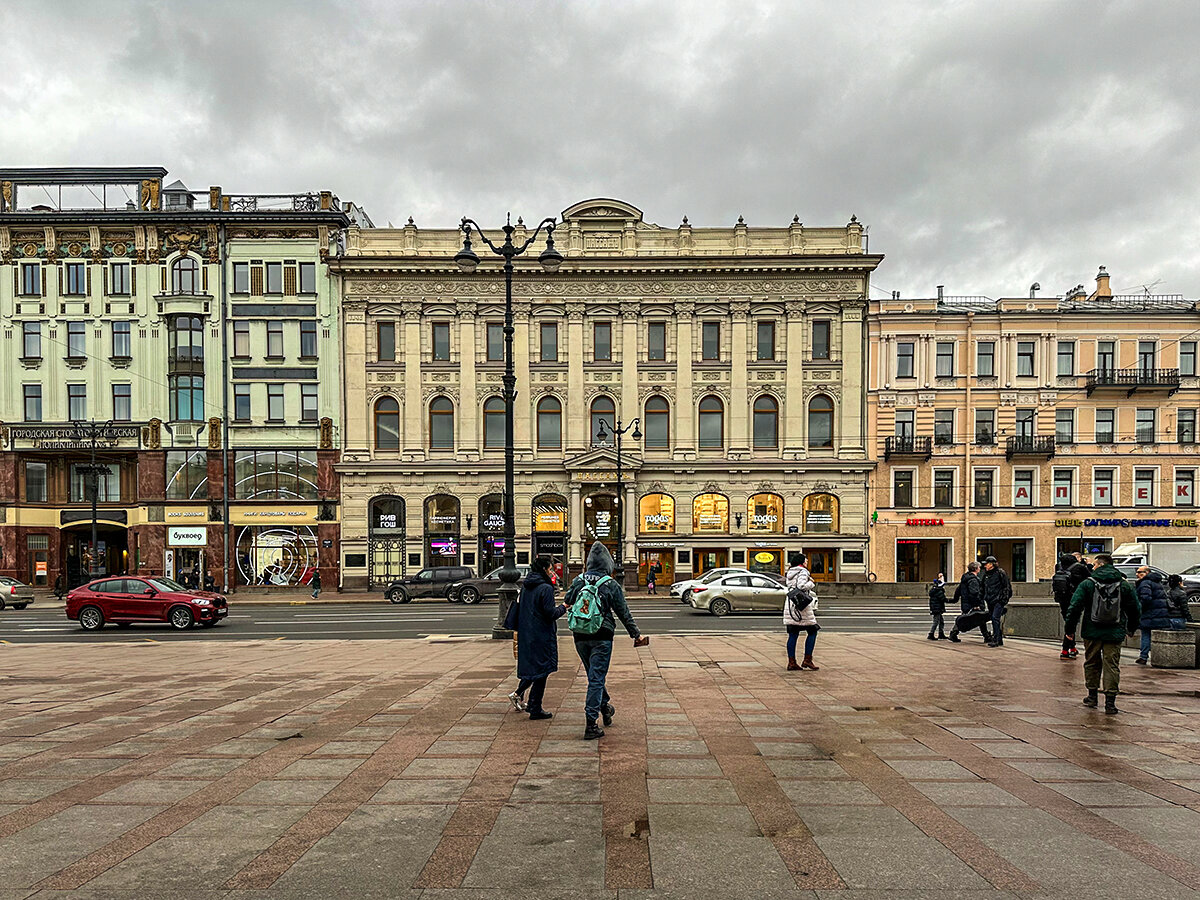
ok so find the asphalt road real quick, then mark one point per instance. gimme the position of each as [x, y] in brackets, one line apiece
[368, 621]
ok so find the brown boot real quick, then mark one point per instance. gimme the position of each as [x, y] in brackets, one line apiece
[793, 666]
[809, 664]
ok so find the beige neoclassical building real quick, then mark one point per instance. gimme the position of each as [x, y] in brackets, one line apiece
[740, 349]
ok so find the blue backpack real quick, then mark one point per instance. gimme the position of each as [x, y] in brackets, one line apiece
[586, 614]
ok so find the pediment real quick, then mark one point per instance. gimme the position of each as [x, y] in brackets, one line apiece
[602, 209]
[603, 458]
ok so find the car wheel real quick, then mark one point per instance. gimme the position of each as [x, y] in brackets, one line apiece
[468, 595]
[20, 605]
[397, 595]
[686, 597]
[181, 618]
[1, 603]
[91, 618]
[720, 607]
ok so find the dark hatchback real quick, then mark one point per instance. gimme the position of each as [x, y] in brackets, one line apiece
[126, 600]
[433, 582]
[472, 590]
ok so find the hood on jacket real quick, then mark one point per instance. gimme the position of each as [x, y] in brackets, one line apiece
[1156, 578]
[536, 579]
[1107, 573]
[599, 560]
[1067, 560]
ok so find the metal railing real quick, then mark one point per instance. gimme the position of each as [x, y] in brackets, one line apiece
[1030, 445]
[1133, 379]
[310, 202]
[906, 445]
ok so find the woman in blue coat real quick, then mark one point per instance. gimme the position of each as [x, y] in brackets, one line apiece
[537, 634]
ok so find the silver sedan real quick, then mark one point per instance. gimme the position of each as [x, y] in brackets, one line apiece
[14, 593]
[743, 591]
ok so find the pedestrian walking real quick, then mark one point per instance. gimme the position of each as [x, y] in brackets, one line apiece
[1156, 611]
[1072, 570]
[1177, 600]
[651, 581]
[596, 600]
[1108, 606]
[997, 591]
[937, 608]
[537, 638]
[969, 597]
[315, 583]
[800, 611]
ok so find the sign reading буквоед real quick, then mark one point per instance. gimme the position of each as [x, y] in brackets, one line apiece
[180, 536]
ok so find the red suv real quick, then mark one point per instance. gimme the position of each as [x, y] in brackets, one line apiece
[127, 600]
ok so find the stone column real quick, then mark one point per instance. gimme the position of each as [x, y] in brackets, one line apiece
[575, 548]
[739, 397]
[852, 429]
[522, 441]
[629, 527]
[413, 439]
[471, 410]
[578, 439]
[357, 434]
[685, 406]
[629, 361]
[793, 404]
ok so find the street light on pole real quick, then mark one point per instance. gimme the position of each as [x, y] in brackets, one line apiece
[468, 262]
[602, 436]
[90, 431]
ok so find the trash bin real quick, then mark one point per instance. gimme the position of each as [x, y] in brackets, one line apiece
[1173, 649]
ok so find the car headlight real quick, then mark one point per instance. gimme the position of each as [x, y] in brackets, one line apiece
[202, 601]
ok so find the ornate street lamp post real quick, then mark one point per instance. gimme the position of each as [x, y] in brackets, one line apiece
[468, 262]
[90, 431]
[602, 436]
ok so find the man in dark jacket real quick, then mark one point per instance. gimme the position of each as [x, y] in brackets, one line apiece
[595, 650]
[1156, 611]
[969, 597]
[537, 635]
[1102, 641]
[997, 591]
[937, 608]
[1071, 572]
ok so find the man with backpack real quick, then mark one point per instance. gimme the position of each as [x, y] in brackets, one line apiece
[1109, 607]
[1072, 571]
[594, 601]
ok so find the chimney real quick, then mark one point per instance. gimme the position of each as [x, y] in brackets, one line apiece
[941, 289]
[895, 295]
[1102, 288]
[1033, 289]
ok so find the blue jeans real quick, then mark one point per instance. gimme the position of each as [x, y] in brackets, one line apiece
[997, 617]
[595, 656]
[1145, 654]
[809, 642]
[1177, 624]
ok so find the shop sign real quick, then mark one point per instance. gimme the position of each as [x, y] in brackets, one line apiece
[917, 521]
[181, 536]
[1126, 523]
[493, 522]
[65, 437]
[40, 568]
[188, 512]
[766, 520]
[656, 519]
[603, 477]
[550, 518]
[814, 518]
[387, 521]
[764, 557]
[273, 515]
[447, 523]
[659, 545]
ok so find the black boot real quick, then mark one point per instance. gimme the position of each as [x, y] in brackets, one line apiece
[954, 636]
[1091, 699]
[930, 637]
[608, 711]
[1110, 704]
[537, 714]
[941, 635]
[592, 731]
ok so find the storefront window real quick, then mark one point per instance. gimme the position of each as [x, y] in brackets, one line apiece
[275, 474]
[600, 517]
[550, 525]
[656, 514]
[442, 530]
[272, 555]
[768, 562]
[108, 483]
[710, 514]
[491, 532]
[821, 514]
[764, 514]
[187, 474]
[387, 517]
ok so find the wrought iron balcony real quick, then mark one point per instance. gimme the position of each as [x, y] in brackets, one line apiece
[1029, 445]
[1133, 380]
[906, 445]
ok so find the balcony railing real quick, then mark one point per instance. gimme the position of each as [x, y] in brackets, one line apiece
[1029, 445]
[1133, 380]
[905, 445]
[310, 202]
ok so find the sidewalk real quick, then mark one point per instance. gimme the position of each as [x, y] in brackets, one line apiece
[291, 769]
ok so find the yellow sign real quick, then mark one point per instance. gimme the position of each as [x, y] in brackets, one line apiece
[764, 557]
[274, 515]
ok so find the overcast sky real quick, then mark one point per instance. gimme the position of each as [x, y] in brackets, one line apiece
[987, 145]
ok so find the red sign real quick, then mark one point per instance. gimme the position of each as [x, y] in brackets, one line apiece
[924, 521]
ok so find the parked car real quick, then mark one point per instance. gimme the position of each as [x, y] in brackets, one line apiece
[433, 582]
[1130, 571]
[1191, 582]
[738, 592]
[16, 594]
[128, 600]
[472, 590]
[683, 589]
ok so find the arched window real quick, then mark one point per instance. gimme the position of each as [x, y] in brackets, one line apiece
[820, 421]
[493, 423]
[766, 422]
[603, 410]
[386, 518]
[185, 276]
[658, 424]
[764, 514]
[712, 423]
[549, 423]
[710, 514]
[441, 424]
[656, 514]
[387, 424]
[821, 513]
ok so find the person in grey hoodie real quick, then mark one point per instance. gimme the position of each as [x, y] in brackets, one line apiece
[595, 650]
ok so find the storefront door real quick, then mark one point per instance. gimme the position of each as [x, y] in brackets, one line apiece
[908, 560]
[703, 560]
[663, 563]
[822, 564]
[189, 567]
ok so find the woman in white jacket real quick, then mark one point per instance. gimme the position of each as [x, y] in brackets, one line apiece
[805, 619]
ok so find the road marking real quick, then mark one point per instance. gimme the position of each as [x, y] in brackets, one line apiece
[281, 638]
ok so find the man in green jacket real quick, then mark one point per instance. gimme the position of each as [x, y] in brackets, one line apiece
[1102, 640]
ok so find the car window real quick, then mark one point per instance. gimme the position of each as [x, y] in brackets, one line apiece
[133, 586]
[425, 575]
[736, 581]
[4, 579]
[166, 584]
[1191, 570]
[761, 582]
[713, 575]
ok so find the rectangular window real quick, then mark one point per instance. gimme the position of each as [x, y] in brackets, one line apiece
[107, 482]
[77, 402]
[386, 344]
[710, 340]
[1186, 426]
[1106, 426]
[308, 403]
[1064, 426]
[1026, 425]
[549, 341]
[76, 279]
[902, 487]
[985, 427]
[122, 403]
[945, 359]
[241, 340]
[31, 279]
[1187, 358]
[1066, 357]
[906, 424]
[76, 340]
[241, 403]
[1106, 355]
[656, 341]
[943, 427]
[275, 339]
[1147, 355]
[1146, 432]
[441, 341]
[33, 402]
[308, 340]
[495, 341]
[1185, 487]
[602, 341]
[983, 488]
[241, 278]
[1026, 354]
[274, 402]
[36, 481]
[1064, 487]
[985, 358]
[32, 343]
[118, 279]
[122, 340]
[765, 339]
[821, 338]
[1023, 487]
[904, 359]
[186, 398]
[1102, 487]
[308, 278]
[943, 487]
[1143, 487]
[274, 278]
